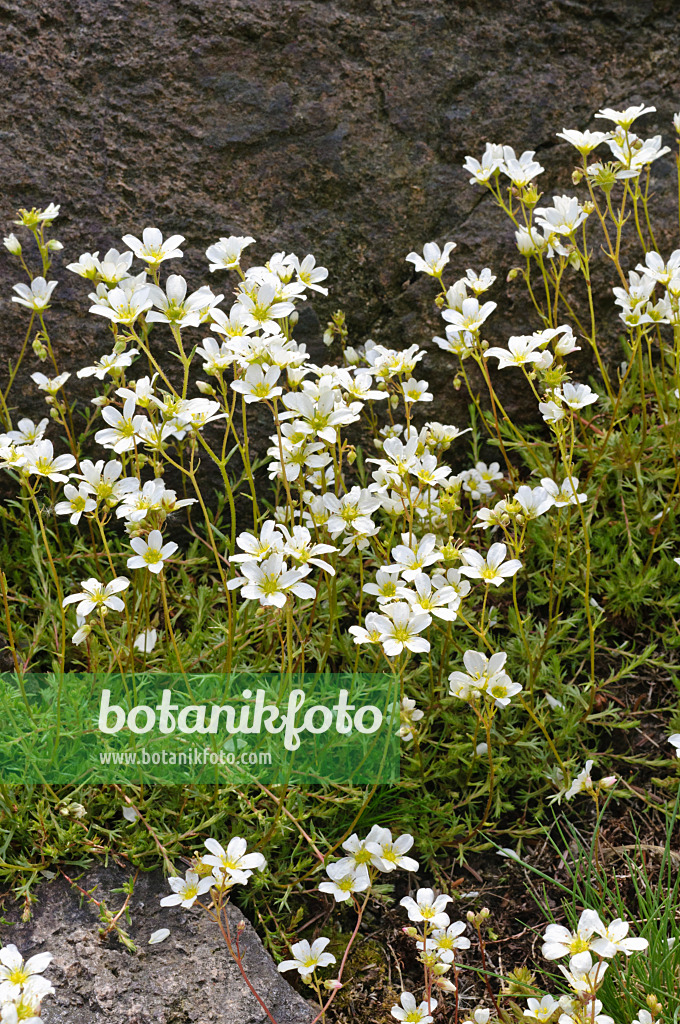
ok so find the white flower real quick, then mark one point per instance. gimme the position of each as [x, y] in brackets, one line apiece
[624, 118]
[152, 249]
[226, 254]
[558, 941]
[372, 632]
[541, 1009]
[427, 907]
[433, 260]
[479, 282]
[308, 958]
[491, 162]
[583, 783]
[271, 582]
[98, 595]
[565, 215]
[124, 430]
[412, 1013]
[173, 307]
[534, 501]
[309, 274]
[577, 396]
[520, 169]
[185, 891]
[470, 317]
[14, 970]
[565, 493]
[584, 142]
[675, 741]
[152, 553]
[484, 675]
[50, 384]
[551, 411]
[388, 854]
[12, 244]
[400, 628]
[445, 941]
[27, 431]
[656, 268]
[40, 460]
[521, 350]
[344, 880]
[233, 863]
[409, 560]
[146, 641]
[529, 241]
[583, 976]
[614, 939]
[259, 385]
[113, 364]
[409, 714]
[123, 307]
[37, 297]
[493, 569]
[77, 502]
[416, 391]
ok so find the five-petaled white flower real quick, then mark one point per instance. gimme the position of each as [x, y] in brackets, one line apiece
[344, 880]
[400, 627]
[493, 569]
[433, 260]
[226, 254]
[152, 249]
[427, 907]
[308, 958]
[98, 595]
[37, 297]
[185, 891]
[414, 1013]
[151, 553]
[234, 864]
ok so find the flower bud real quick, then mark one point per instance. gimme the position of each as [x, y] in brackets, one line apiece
[205, 388]
[328, 335]
[577, 175]
[293, 318]
[12, 244]
[53, 245]
[332, 985]
[512, 273]
[40, 349]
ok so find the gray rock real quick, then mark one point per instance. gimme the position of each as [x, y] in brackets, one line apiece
[336, 127]
[190, 978]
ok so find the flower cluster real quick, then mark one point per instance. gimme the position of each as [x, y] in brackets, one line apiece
[22, 986]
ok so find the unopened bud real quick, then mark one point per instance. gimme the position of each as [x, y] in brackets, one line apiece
[55, 414]
[512, 273]
[577, 175]
[40, 349]
[654, 1005]
[332, 985]
[410, 930]
[205, 388]
[293, 318]
[53, 245]
[12, 244]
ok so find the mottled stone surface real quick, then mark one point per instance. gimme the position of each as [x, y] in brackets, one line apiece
[190, 978]
[332, 126]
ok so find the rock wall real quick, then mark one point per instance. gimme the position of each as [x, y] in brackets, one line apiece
[332, 126]
[190, 978]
